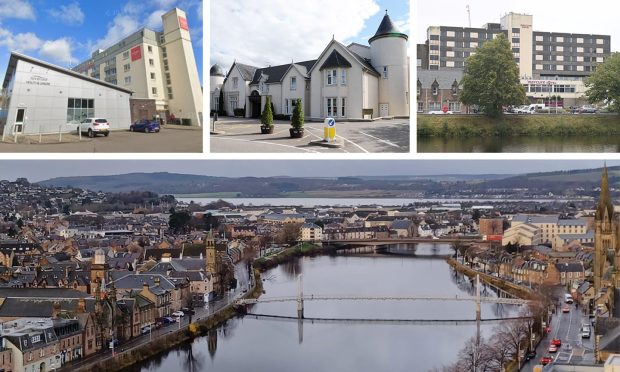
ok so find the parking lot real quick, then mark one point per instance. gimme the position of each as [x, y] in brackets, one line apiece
[243, 136]
[171, 139]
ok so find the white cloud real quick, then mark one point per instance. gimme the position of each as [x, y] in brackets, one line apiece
[154, 20]
[164, 3]
[274, 32]
[20, 9]
[58, 51]
[23, 42]
[122, 26]
[68, 14]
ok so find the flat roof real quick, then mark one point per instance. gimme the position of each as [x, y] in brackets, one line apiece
[15, 56]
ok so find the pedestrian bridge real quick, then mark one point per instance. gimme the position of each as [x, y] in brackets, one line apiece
[495, 300]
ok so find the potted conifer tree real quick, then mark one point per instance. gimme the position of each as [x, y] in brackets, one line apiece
[297, 121]
[266, 118]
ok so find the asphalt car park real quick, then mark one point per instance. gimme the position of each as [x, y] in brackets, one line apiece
[243, 136]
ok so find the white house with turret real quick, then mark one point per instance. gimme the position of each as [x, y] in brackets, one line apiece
[344, 82]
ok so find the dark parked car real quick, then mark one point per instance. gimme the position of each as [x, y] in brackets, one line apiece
[147, 126]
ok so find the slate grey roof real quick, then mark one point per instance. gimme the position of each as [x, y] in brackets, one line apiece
[387, 29]
[216, 70]
[530, 218]
[246, 71]
[136, 281]
[40, 307]
[52, 293]
[335, 59]
[587, 235]
[569, 267]
[572, 222]
[276, 73]
[401, 224]
[445, 78]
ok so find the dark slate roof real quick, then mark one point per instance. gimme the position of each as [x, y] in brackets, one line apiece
[40, 307]
[335, 59]
[217, 70]
[276, 73]
[247, 71]
[136, 281]
[569, 266]
[365, 62]
[445, 78]
[51, 293]
[387, 29]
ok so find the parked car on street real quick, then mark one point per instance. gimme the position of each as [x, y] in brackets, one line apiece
[94, 126]
[146, 126]
[546, 360]
[565, 309]
[552, 348]
[587, 110]
[530, 355]
[178, 314]
[168, 320]
[556, 342]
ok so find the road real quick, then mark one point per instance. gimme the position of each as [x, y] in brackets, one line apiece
[169, 140]
[243, 136]
[566, 327]
[243, 285]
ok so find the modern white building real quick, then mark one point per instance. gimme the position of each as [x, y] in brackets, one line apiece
[39, 97]
[159, 67]
[344, 82]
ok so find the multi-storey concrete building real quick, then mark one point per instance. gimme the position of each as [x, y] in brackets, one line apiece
[550, 63]
[158, 67]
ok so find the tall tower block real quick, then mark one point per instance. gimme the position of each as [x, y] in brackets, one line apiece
[184, 89]
[388, 54]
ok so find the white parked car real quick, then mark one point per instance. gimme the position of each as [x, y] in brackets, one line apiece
[95, 126]
[178, 314]
[439, 112]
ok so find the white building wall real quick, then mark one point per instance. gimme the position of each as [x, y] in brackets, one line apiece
[242, 91]
[44, 94]
[391, 52]
[287, 93]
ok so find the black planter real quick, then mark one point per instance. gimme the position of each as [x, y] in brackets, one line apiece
[266, 129]
[296, 133]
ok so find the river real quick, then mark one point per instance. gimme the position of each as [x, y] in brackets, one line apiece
[256, 343]
[543, 144]
[354, 202]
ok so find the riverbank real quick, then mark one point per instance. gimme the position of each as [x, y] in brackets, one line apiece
[306, 249]
[470, 126]
[162, 344]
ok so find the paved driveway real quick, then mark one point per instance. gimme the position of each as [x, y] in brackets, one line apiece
[168, 140]
[243, 136]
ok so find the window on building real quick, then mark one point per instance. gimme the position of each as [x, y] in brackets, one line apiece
[168, 81]
[126, 55]
[152, 76]
[154, 91]
[293, 83]
[79, 109]
[343, 108]
[435, 89]
[235, 82]
[126, 67]
[385, 72]
[420, 106]
[343, 77]
[150, 49]
[332, 77]
[127, 80]
[233, 102]
[454, 106]
[35, 339]
[151, 62]
[332, 109]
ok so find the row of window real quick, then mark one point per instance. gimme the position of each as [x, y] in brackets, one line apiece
[547, 88]
[580, 68]
[570, 39]
[569, 49]
[437, 106]
[79, 109]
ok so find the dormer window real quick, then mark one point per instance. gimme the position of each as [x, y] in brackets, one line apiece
[332, 77]
[435, 88]
[419, 88]
[455, 87]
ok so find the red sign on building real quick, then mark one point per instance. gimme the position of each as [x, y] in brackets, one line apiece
[183, 23]
[136, 53]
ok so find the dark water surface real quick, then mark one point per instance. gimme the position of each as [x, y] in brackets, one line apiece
[520, 144]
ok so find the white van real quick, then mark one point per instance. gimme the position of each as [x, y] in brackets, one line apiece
[568, 298]
[536, 106]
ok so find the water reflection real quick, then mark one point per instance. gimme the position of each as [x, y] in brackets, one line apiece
[520, 144]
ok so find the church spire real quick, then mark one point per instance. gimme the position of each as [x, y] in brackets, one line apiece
[604, 202]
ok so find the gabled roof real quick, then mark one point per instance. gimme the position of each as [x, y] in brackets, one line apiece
[445, 78]
[356, 57]
[335, 59]
[276, 73]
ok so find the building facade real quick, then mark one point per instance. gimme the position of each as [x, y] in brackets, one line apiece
[552, 65]
[159, 67]
[39, 97]
[344, 82]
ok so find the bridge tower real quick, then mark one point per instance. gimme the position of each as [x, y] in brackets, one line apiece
[300, 297]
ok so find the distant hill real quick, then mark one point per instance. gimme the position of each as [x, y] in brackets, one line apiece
[559, 183]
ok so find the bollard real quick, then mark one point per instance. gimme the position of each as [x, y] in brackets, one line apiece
[60, 133]
[39, 134]
[329, 129]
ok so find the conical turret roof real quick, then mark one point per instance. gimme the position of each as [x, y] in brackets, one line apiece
[387, 29]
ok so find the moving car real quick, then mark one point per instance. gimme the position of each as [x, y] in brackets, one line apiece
[146, 126]
[94, 126]
[565, 309]
[585, 331]
[522, 110]
[552, 348]
[587, 110]
[568, 298]
[556, 342]
[178, 313]
[546, 360]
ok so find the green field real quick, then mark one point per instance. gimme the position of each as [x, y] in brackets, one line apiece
[469, 126]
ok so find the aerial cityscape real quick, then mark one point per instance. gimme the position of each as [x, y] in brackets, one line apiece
[518, 268]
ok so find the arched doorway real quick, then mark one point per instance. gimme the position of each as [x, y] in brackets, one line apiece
[42, 367]
[255, 104]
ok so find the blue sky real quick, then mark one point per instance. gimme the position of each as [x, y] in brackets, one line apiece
[65, 32]
[274, 32]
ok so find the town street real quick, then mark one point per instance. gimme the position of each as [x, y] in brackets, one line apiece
[243, 135]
